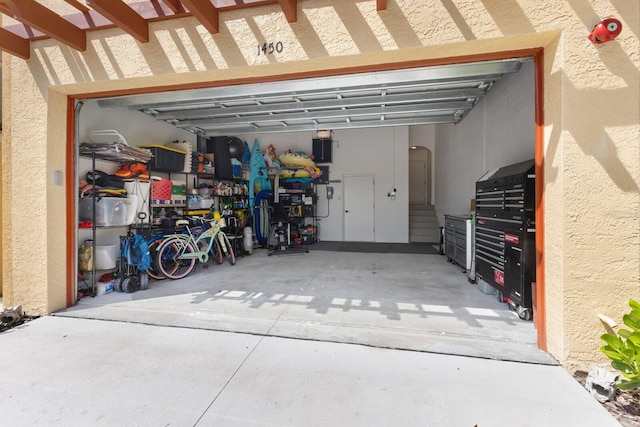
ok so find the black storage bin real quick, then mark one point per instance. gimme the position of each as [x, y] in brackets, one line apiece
[506, 232]
[166, 159]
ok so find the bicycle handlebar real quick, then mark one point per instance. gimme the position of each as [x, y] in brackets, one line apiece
[197, 218]
[201, 219]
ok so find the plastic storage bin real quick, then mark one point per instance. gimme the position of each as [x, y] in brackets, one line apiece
[104, 288]
[198, 202]
[105, 258]
[161, 189]
[166, 159]
[110, 211]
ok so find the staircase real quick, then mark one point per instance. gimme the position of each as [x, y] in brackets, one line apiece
[423, 224]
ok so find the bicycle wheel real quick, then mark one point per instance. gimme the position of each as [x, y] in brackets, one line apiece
[227, 250]
[216, 252]
[153, 271]
[168, 258]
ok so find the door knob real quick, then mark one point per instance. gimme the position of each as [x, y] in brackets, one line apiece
[347, 211]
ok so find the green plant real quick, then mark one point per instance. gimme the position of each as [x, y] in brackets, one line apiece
[623, 348]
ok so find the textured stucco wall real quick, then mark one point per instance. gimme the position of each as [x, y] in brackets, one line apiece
[591, 178]
[591, 125]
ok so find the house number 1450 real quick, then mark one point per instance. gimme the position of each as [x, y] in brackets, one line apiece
[270, 48]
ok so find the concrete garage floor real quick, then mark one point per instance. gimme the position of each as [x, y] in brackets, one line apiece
[119, 359]
[388, 300]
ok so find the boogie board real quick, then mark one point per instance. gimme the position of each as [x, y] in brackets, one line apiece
[262, 215]
[259, 179]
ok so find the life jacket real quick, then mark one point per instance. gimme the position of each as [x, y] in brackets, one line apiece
[132, 170]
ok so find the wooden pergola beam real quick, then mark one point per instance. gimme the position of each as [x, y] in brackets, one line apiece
[124, 17]
[381, 5]
[205, 12]
[14, 45]
[33, 14]
[5, 9]
[75, 3]
[174, 5]
[289, 7]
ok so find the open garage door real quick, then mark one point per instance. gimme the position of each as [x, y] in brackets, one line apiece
[417, 96]
[380, 104]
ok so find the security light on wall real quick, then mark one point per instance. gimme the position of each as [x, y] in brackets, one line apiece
[605, 31]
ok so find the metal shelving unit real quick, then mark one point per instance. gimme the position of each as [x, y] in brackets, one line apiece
[95, 152]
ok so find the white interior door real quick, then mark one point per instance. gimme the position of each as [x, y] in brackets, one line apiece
[359, 208]
[418, 182]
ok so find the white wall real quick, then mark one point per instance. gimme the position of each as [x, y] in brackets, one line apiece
[498, 132]
[382, 152]
[294, 141]
[136, 127]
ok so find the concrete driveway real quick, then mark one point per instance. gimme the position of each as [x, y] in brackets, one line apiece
[59, 371]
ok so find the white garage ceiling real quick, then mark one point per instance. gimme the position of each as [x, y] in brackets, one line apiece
[416, 96]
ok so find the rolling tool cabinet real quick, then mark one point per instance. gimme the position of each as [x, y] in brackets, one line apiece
[505, 234]
[457, 240]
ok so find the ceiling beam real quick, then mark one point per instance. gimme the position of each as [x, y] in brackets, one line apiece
[174, 5]
[426, 77]
[14, 45]
[124, 17]
[75, 3]
[33, 14]
[289, 7]
[361, 101]
[381, 5]
[249, 129]
[423, 109]
[205, 12]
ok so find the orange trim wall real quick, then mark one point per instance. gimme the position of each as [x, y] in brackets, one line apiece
[540, 318]
[71, 203]
[537, 54]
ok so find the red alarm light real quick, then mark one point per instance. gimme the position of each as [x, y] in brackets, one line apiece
[605, 31]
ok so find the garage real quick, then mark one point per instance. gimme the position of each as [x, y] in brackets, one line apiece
[65, 53]
[386, 286]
